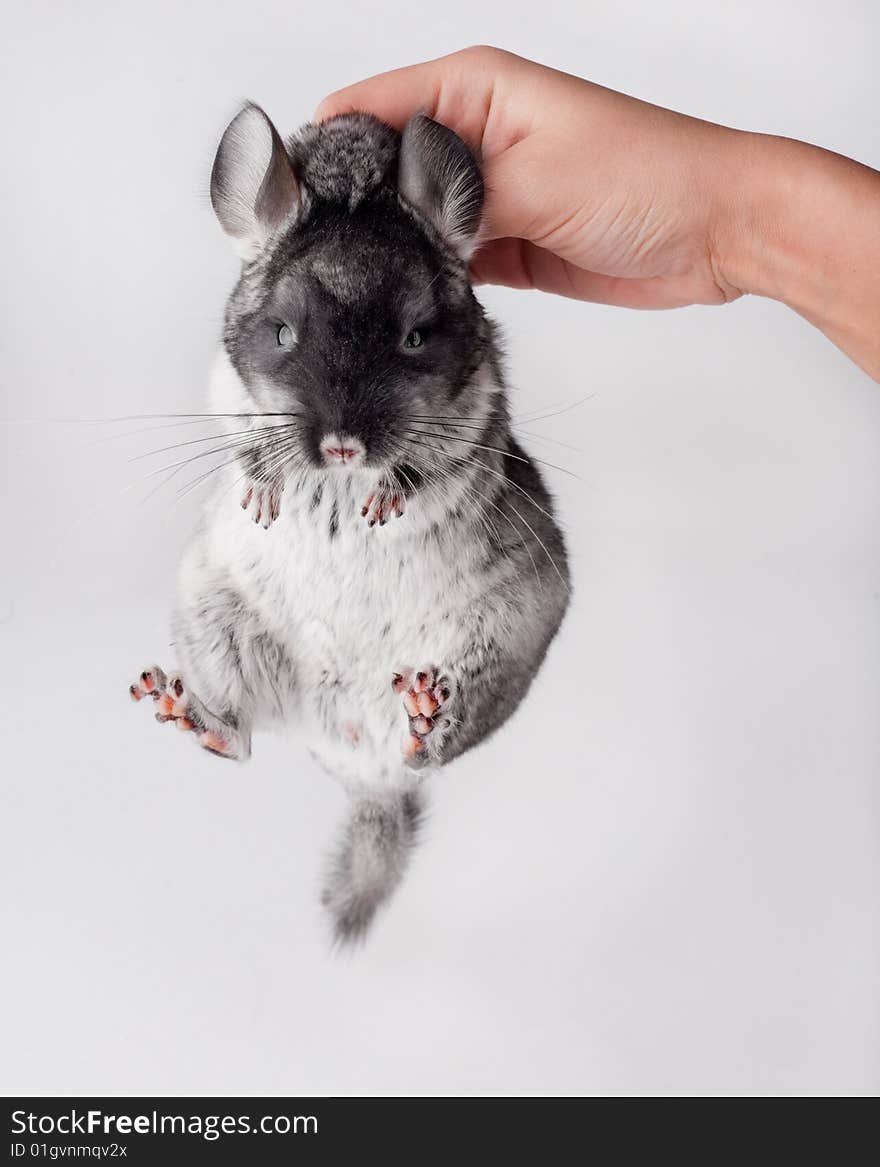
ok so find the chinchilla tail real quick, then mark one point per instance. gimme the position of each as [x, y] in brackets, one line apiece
[371, 858]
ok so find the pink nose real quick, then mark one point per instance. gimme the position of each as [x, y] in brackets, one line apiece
[342, 450]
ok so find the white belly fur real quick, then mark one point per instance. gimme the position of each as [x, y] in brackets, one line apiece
[350, 611]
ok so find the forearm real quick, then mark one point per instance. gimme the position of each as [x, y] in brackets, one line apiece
[802, 225]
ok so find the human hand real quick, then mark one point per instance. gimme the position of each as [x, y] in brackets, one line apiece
[599, 196]
[590, 193]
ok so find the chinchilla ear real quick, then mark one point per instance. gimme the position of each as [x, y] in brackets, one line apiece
[253, 186]
[440, 177]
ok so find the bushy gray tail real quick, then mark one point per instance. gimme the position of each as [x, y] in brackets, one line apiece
[371, 858]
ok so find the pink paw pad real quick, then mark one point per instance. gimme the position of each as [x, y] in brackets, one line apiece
[424, 693]
[151, 683]
[214, 743]
[174, 703]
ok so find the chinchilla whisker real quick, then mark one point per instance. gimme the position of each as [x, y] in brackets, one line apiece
[474, 498]
[194, 483]
[163, 482]
[488, 526]
[187, 487]
[237, 449]
[529, 419]
[147, 429]
[467, 424]
[278, 458]
[254, 433]
[544, 462]
[246, 413]
[176, 467]
[528, 416]
[494, 505]
[482, 515]
[511, 523]
[446, 474]
[194, 420]
[545, 438]
[399, 473]
[500, 450]
[542, 545]
[534, 534]
[451, 422]
[516, 486]
[467, 442]
[221, 466]
[239, 444]
[265, 476]
[452, 418]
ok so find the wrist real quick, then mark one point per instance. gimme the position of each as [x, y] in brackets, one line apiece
[801, 225]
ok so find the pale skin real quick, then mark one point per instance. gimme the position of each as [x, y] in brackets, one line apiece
[595, 195]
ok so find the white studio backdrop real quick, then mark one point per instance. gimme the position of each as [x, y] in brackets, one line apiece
[664, 875]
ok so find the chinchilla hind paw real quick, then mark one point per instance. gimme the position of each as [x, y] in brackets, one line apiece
[426, 695]
[174, 702]
[370, 859]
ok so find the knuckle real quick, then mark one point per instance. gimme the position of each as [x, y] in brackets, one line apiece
[485, 54]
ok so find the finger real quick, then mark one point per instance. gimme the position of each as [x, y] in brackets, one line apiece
[488, 97]
[457, 90]
[500, 262]
[516, 263]
[393, 96]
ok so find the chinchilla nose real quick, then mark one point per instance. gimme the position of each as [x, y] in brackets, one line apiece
[342, 450]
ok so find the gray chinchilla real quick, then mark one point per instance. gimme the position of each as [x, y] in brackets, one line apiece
[404, 574]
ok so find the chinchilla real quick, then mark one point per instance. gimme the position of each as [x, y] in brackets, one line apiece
[380, 566]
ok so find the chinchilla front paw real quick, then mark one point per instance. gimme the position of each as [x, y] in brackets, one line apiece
[263, 502]
[383, 501]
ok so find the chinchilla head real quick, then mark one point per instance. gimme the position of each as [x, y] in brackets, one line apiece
[354, 312]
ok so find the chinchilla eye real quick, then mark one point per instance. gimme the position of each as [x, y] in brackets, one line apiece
[414, 339]
[284, 336]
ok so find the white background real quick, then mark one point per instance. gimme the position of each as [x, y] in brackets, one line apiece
[664, 876]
